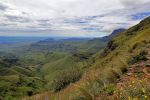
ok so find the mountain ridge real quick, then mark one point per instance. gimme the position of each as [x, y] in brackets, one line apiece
[77, 69]
[100, 79]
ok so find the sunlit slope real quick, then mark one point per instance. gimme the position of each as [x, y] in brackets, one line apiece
[110, 64]
[114, 61]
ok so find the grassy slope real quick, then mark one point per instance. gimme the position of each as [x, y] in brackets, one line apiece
[51, 63]
[115, 60]
[43, 63]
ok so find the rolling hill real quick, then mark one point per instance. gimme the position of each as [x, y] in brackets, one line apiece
[119, 72]
[36, 67]
[30, 68]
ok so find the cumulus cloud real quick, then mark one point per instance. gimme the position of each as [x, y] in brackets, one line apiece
[70, 17]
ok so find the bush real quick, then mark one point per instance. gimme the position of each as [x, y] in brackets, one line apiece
[137, 58]
[90, 90]
[131, 49]
[109, 89]
[9, 61]
[105, 52]
[112, 45]
[110, 76]
[94, 89]
[123, 69]
[65, 78]
[21, 86]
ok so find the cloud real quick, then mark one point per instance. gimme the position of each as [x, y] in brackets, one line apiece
[131, 3]
[17, 19]
[3, 6]
[70, 17]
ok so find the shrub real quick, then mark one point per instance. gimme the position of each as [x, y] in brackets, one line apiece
[110, 76]
[65, 78]
[109, 89]
[93, 90]
[90, 90]
[105, 52]
[131, 49]
[10, 61]
[123, 69]
[140, 57]
[112, 45]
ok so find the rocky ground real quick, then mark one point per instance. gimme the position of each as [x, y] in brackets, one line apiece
[138, 73]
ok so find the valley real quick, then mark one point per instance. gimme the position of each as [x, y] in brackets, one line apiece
[32, 67]
[74, 50]
[57, 68]
[119, 72]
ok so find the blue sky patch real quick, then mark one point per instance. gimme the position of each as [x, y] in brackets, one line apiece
[140, 15]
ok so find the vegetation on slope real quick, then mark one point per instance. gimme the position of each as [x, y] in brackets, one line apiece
[113, 64]
[35, 68]
[112, 75]
[52, 66]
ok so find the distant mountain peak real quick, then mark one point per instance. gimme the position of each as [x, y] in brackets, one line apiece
[117, 31]
[113, 34]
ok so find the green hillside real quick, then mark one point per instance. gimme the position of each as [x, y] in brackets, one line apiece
[74, 68]
[32, 69]
[119, 72]
[114, 64]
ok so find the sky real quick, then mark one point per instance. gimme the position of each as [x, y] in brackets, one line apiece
[69, 18]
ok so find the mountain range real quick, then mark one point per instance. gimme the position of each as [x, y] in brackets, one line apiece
[79, 68]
